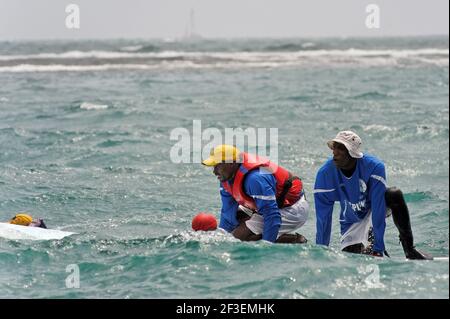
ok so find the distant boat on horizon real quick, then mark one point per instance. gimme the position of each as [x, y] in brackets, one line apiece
[190, 33]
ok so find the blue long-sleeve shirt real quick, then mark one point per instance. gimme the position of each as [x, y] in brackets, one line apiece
[261, 186]
[362, 192]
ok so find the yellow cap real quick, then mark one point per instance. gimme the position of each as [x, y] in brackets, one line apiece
[21, 219]
[222, 154]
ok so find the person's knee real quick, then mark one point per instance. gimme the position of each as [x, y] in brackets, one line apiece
[393, 196]
[247, 236]
[243, 233]
[239, 234]
[292, 239]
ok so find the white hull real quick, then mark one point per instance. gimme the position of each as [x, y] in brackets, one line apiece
[17, 232]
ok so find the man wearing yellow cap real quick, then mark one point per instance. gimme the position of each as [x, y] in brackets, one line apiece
[260, 200]
[23, 219]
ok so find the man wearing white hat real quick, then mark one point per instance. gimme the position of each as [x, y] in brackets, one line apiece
[358, 182]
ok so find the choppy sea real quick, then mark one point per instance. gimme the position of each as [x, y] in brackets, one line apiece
[85, 144]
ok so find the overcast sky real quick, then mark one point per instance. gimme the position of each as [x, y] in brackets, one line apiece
[45, 19]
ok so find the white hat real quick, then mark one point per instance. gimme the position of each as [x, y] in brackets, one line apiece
[350, 140]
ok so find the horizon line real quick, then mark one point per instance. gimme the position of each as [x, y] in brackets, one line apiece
[204, 38]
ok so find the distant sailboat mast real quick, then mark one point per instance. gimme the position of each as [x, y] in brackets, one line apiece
[192, 16]
[190, 32]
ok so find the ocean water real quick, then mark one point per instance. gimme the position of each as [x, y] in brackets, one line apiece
[85, 138]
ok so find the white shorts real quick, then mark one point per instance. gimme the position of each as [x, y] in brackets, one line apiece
[292, 217]
[358, 233]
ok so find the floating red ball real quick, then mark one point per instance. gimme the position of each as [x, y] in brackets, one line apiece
[204, 221]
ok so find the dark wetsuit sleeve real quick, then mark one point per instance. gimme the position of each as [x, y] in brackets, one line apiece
[377, 187]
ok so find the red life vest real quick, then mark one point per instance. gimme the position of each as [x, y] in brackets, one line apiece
[282, 176]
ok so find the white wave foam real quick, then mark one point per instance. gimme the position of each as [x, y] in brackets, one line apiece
[94, 55]
[399, 171]
[431, 130]
[3, 99]
[169, 60]
[106, 67]
[207, 237]
[308, 45]
[377, 128]
[228, 55]
[132, 48]
[72, 68]
[92, 106]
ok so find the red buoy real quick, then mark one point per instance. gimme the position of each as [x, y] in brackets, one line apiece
[204, 221]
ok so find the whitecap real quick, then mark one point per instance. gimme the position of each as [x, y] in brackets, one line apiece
[92, 106]
[169, 60]
[73, 68]
[308, 45]
[395, 53]
[377, 128]
[131, 48]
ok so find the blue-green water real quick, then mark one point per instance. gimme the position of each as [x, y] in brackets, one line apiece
[103, 169]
